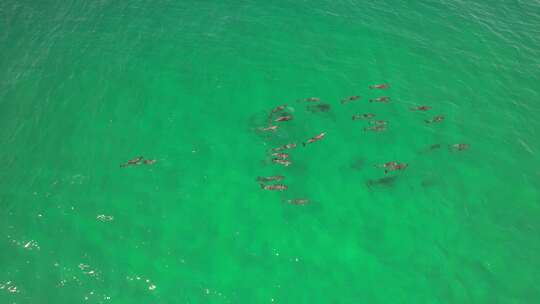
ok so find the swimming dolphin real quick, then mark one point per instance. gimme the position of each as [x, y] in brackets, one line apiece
[278, 187]
[383, 86]
[284, 118]
[401, 166]
[382, 99]
[282, 161]
[350, 98]
[133, 162]
[460, 147]
[392, 166]
[284, 147]
[378, 122]
[270, 128]
[435, 119]
[387, 164]
[279, 108]
[310, 99]
[274, 111]
[421, 108]
[297, 201]
[281, 155]
[275, 178]
[363, 116]
[315, 138]
[375, 128]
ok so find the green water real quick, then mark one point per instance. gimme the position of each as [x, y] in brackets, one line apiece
[87, 85]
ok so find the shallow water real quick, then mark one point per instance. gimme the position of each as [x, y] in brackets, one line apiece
[87, 85]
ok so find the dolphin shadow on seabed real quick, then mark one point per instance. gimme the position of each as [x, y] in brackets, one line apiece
[387, 181]
[428, 183]
[318, 108]
[357, 165]
[322, 109]
[432, 181]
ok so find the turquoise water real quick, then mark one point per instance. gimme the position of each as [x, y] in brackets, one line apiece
[87, 85]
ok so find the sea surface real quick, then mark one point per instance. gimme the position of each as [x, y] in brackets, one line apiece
[86, 86]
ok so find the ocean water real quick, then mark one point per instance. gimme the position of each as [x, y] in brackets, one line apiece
[86, 86]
